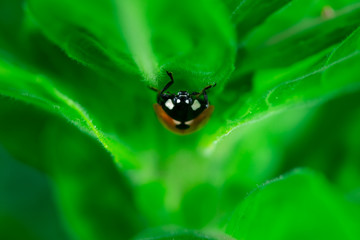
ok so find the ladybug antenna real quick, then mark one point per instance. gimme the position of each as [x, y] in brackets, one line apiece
[208, 87]
[203, 92]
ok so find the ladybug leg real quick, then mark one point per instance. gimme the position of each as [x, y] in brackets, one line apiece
[208, 87]
[169, 83]
[203, 92]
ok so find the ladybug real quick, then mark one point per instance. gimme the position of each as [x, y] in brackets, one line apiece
[182, 113]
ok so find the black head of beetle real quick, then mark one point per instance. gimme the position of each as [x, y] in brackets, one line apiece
[184, 107]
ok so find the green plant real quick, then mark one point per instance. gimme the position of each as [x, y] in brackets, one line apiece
[84, 157]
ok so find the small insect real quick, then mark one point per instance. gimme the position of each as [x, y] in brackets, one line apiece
[182, 113]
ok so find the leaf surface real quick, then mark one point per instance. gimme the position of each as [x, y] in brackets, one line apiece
[297, 205]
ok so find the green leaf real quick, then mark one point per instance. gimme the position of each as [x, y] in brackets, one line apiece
[45, 78]
[11, 20]
[133, 36]
[270, 47]
[15, 230]
[178, 233]
[300, 85]
[247, 14]
[280, 121]
[280, 142]
[27, 203]
[347, 57]
[199, 205]
[298, 205]
[40, 91]
[271, 117]
[95, 198]
[150, 198]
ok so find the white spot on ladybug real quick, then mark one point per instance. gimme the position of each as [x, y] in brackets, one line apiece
[169, 104]
[187, 101]
[178, 101]
[189, 122]
[196, 105]
[176, 122]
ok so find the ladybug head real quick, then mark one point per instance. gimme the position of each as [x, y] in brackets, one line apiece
[182, 99]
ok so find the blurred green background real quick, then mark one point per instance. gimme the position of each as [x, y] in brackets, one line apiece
[83, 156]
